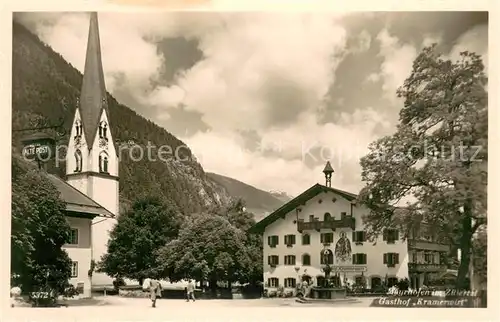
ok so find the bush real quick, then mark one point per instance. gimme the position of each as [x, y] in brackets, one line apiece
[119, 282]
[403, 284]
[71, 291]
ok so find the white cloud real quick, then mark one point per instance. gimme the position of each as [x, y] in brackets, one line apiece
[431, 39]
[475, 40]
[397, 64]
[243, 59]
[364, 41]
[343, 144]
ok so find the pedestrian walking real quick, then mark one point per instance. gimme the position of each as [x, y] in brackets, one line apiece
[154, 291]
[190, 291]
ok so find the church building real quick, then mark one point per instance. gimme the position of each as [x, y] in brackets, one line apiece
[322, 228]
[92, 155]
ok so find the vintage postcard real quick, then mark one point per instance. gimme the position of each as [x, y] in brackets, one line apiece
[292, 164]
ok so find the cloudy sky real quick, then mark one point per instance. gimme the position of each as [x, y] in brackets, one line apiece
[266, 98]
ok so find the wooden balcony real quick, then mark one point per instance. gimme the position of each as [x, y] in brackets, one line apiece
[414, 244]
[417, 268]
[345, 222]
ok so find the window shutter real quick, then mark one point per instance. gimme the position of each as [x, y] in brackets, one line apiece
[286, 239]
[385, 234]
[396, 234]
[354, 236]
[385, 258]
[354, 259]
[365, 259]
[396, 261]
[269, 260]
[293, 239]
[363, 235]
[269, 240]
[276, 240]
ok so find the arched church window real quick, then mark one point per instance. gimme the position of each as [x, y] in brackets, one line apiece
[103, 128]
[78, 161]
[78, 128]
[103, 162]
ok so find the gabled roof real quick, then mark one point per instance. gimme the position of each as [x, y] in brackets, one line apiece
[93, 96]
[297, 202]
[76, 201]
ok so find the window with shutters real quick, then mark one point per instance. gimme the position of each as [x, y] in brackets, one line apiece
[273, 260]
[390, 235]
[391, 259]
[327, 216]
[358, 237]
[289, 240]
[74, 269]
[306, 239]
[306, 259]
[326, 238]
[359, 259]
[290, 260]
[311, 218]
[73, 236]
[273, 282]
[272, 241]
[290, 282]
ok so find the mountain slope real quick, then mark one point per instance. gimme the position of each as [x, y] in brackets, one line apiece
[259, 202]
[45, 89]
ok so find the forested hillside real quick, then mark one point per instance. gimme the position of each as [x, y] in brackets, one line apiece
[45, 89]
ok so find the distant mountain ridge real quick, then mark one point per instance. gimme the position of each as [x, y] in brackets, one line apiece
[281, 195]
[259, 202]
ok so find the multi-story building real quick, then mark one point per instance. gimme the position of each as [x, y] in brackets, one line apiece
[80, 212]
[324, 225]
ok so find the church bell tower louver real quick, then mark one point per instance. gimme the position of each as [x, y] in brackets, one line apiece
[92, 156]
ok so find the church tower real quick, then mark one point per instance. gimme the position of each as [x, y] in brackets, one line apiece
[92, 156]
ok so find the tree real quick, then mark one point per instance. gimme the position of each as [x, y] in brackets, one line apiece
[138, 234]
[208, 248]
[39, 230]
[236, 214]
[244, 220]
[437, 159]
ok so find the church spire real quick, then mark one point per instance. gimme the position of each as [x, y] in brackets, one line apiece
[93, 95]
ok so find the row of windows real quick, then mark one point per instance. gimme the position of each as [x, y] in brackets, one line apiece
[389, 235]
[428, 258]
[103, 128]
[327, 258]
[275, 282]
[326, 217]
[103, 161]
[320, 281]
